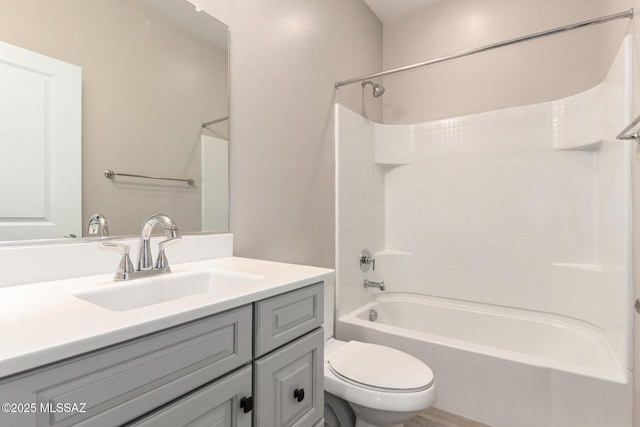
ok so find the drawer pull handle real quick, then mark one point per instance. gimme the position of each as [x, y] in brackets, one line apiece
[246, 403]
[299, 394]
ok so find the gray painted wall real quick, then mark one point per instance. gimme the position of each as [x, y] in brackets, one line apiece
[285, 58]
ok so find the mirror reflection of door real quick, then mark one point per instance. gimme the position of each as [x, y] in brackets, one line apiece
[40, 140]
[153, 71]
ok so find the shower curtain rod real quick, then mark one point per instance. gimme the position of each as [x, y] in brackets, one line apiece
[602, 19]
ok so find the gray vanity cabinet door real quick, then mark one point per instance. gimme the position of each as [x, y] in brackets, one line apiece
[289, 384]
[283, 318]
[214, 405]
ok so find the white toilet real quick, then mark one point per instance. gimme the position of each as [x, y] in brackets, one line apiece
[384, 387]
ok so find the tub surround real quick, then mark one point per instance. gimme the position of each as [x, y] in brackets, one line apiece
[538, 339]
[519, 368]
[49, 323]
[527, 208]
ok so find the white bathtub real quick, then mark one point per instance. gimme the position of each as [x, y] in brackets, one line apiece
[503, 366]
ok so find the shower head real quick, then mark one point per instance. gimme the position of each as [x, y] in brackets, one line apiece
[377, 89]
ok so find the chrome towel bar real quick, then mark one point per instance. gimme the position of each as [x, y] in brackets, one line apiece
[111, 174]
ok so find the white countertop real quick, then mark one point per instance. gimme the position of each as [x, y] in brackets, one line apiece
[43, 322]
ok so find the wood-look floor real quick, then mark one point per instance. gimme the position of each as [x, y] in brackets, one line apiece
[434, 417]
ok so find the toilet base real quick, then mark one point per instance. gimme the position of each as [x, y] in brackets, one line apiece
[369, 417]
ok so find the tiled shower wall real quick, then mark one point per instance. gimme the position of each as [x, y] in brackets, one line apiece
[526, 207]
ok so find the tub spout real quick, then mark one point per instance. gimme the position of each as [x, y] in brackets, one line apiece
[372, 284]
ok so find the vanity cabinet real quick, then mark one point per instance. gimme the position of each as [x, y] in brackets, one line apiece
[122, 382]
[283, 318]
[289, 382]
[212, 405]
[260, 364]
[289, 351]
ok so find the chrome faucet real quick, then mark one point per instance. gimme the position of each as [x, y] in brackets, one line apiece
[145, 267]
[98, 225]
[372, 284]
[170, 231]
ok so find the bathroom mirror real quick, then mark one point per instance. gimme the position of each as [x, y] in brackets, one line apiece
[152, 72]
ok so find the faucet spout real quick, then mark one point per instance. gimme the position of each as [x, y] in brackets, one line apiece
[372, 284]
[170, 231]
[98, 225]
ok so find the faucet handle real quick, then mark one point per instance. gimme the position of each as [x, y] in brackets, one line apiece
[125, 268]
[162, 261]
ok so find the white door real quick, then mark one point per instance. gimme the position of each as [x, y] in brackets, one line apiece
[40, 146]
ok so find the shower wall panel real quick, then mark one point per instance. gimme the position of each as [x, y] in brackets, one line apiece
[354, 204]
[526, 207]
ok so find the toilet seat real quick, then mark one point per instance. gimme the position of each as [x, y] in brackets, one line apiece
[364, 395]
[379, 368]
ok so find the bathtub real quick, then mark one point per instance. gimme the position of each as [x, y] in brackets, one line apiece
[502, 366]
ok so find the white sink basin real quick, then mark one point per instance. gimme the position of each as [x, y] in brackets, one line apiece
[137, 293]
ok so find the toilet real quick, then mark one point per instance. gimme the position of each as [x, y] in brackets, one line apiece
[381, 386]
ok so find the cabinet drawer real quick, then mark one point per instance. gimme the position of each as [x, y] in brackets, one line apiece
[285, 317]
[217, 404]
[289, 384]
[122, 382]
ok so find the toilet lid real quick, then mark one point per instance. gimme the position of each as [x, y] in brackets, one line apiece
[381, 367]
